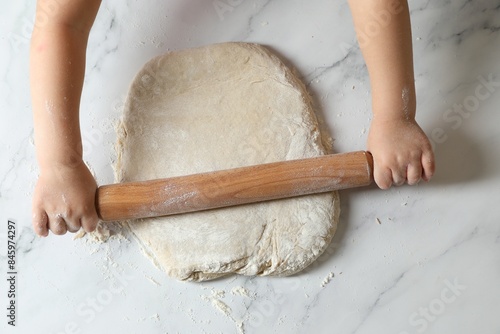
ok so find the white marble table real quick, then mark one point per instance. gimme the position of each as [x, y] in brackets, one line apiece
[432, 265]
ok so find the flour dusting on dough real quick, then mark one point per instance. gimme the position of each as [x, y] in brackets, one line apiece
[219, 107]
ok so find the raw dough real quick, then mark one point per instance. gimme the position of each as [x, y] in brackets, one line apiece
[218, 107]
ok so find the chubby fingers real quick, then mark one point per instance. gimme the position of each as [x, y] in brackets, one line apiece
[428, 165]
[411, 171]
[73, 223]
[89, 221]
[386, 176]
[414, 169]
[59, 223]
[382, 176]
[399, 176]
[40, 222]
[414, 173]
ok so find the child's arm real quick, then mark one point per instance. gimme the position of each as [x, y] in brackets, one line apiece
[64, 194]
[401, 151]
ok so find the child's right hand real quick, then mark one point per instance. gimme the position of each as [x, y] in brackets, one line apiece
[64, 200]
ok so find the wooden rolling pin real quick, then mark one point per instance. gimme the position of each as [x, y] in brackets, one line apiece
[234, 186]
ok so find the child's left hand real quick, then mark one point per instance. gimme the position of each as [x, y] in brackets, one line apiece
[401, 152]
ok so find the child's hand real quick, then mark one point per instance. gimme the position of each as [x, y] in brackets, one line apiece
[401, 152]
[64, 200]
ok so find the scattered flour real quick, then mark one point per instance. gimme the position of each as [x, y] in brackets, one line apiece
[327, 279]
[101, 233]
[240, 291]
[240, 327]
[221, 306]
[152, 280]
[80, 234]
[218, 293]
[215, 300]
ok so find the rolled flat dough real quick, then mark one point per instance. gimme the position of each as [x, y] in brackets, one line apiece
[218, 107]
